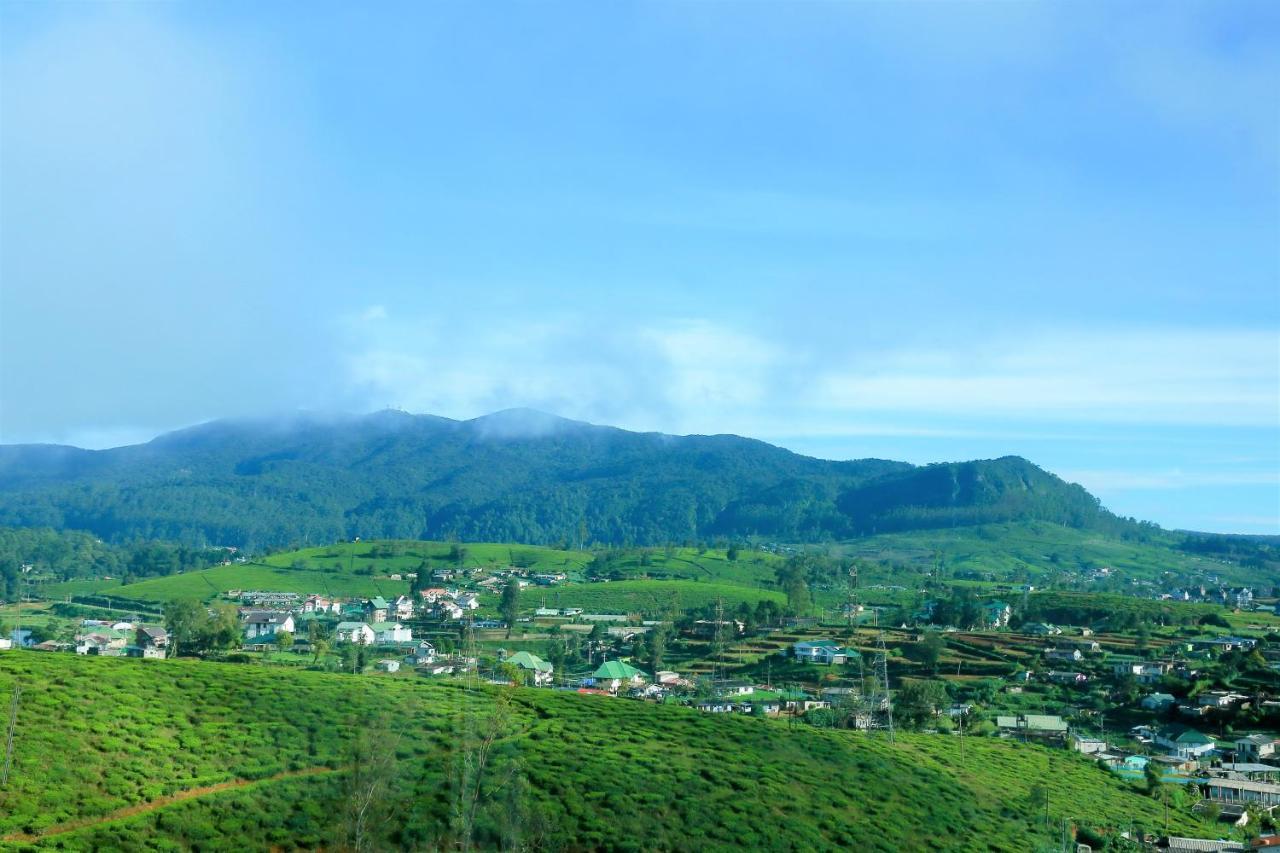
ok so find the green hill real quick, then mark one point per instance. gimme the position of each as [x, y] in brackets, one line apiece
[514, 476]
[163, 755]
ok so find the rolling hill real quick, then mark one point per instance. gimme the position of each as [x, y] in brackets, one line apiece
[116, 754]
[515, 476]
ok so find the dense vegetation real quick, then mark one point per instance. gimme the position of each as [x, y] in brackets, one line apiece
[62, 555]
[515, 476]
[437, 764]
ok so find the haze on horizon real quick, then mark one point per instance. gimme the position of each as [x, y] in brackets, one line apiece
[853, 230]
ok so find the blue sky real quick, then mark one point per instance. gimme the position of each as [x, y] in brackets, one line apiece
[922, 231]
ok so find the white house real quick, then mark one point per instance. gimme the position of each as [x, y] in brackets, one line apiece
[1184, 742]
[388, 665]
[355, 632]
[820, 651]
[1256, 747]
[265, 623]
[468, 600]
[392, 632]
[402, 607]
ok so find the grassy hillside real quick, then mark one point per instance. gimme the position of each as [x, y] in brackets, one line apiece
[651, 579]
[401, 556]
[209, 583]
[159, 755]
[651, 596]
[1036, 550]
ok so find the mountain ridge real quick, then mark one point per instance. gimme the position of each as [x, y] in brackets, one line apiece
[513, 475]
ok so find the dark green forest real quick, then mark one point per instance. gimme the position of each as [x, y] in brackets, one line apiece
[68, 554]
[514, 476]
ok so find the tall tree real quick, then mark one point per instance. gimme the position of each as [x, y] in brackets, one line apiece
[183, 619]
[509, 607]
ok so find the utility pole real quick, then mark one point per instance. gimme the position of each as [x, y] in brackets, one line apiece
[717, 666]
[22, 580]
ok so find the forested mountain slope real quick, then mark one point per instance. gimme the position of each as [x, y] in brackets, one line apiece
[513, 476]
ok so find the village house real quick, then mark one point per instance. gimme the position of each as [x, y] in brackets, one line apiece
[1144, 672]
[535, 669]
[376, 609]
[320, 604]
[1088, 745]
[1041, 629]
[263, 625]
[388, 665]
[1220, 700]
[449, 610]
[1067, 655]
[152, 637]
[389, 633]
[423, 653]
[432, 595]
[1222, 644]
[1033, 726]
[733, 687]
[468, 600]
[354, 632]
[820, 651]
[1157, 701]
[1184, 742]
[1256, 748]
[1243, 792]
[613, 674]
[402, 607]
[106, 642]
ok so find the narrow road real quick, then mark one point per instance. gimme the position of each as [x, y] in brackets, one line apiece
[158, 803]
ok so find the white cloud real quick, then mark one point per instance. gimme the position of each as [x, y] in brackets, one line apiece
[1122, 376]
[650, 376]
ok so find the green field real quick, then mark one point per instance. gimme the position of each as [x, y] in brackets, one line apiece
[1034, 550]
[645, 596]
[209, 583]
[400, 556]
[301, 749]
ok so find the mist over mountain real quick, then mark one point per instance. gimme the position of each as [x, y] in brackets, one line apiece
[515, 475]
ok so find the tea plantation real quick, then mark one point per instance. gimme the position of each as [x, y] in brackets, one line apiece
[128, 754]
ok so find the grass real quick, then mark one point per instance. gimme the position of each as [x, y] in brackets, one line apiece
[209, 583]
[1036, 549]
[99, 735]
[400, 556]
[649, 596]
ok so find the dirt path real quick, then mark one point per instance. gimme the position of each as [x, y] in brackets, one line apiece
[159, 803]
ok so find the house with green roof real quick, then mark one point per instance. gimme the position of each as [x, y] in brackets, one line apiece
[1184, 742]
[391, 633]
[355, 632]
[613, 674]
[376, 609]
[1038, 726]
[539, 672]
